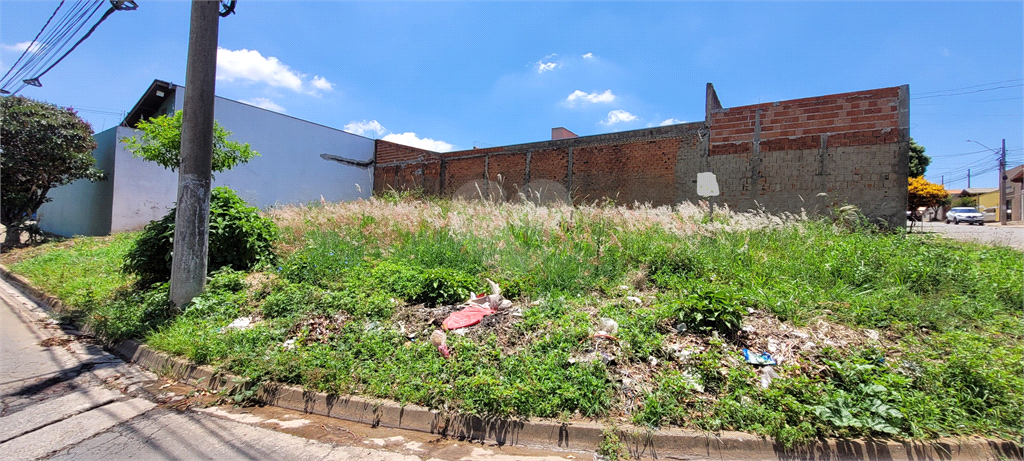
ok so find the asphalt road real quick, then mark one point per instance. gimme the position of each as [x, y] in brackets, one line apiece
[989, 234]
[62, 398]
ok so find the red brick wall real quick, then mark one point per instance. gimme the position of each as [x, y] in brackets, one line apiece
[627, 173]
[509, 171]
[401, 167]
[848, 119]
[550, 164]
[389, 152]
[461, 171]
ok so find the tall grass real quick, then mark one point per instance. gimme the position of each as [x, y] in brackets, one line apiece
[352, 274]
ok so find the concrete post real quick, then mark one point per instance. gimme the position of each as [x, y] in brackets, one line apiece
[191, 222]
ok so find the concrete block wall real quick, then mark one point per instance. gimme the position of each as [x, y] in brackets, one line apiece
[808, 154]
[816, 153]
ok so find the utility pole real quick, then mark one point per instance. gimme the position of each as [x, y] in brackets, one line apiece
[1002, 185]
[968, 178]
[191, 222]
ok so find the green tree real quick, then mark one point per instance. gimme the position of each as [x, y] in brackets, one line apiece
[918, 161]
[44, 146]
[161, 143]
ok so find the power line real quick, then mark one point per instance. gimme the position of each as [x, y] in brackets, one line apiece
[43, 48]
[79, 42]
[969, 153]
[29, 47]
[939, 103]
[973, 86]
[968, 166]
[57, 39]
[968, 92]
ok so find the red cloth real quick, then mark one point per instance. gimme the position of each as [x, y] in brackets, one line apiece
[467, 317]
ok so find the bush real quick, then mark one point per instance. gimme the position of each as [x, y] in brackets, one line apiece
[446, 286]
[708, 307]
[239, 238]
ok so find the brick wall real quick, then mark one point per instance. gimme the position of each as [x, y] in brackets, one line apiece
[807, 154]
[813, 154]
[401, 167]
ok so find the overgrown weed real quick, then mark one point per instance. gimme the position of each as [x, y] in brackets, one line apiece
[681, 287]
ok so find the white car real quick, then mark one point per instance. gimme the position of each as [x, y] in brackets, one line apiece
[965, 214]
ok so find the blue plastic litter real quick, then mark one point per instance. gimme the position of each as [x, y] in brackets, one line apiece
[763, 358]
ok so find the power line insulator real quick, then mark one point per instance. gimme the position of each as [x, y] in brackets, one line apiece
[124, 5]
[229, 8]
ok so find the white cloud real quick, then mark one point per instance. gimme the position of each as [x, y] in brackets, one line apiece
[617, 116]
[251, 65]
[607, 96]
[671, 121]
[588, 56]
[410, 139]
[545, 66]
[22, 46]
[265, 104]
[365, 127]
[322, 83]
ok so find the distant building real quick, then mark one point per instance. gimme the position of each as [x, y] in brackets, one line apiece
[1015, 192]
[291, 168]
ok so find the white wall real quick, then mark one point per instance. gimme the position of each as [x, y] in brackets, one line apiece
[288, 170]
[83, 207]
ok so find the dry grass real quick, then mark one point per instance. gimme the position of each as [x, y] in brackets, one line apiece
[384, 219]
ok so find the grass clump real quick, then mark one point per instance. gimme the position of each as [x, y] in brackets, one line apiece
[877, 334]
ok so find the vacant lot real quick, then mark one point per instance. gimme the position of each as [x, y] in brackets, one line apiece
[884, 334]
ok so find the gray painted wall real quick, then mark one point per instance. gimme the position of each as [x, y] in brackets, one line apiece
[288, 171]
[83, 207]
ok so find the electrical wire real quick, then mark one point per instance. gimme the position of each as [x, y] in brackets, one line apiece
[969, 153]
[50, 43]
[50, 50]
[62, 39]
[47, 45]
[34, 40]
[973, 86]
[968, 92]
[939, 103]
[967, 166]
[79, 42]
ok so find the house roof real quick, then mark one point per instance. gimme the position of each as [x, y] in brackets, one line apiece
[150, 102]
[1016, 174]
[977, 191]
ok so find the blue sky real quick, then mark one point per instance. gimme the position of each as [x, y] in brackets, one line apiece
[458, 75]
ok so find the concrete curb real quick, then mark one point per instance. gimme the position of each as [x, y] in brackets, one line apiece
[576, 436]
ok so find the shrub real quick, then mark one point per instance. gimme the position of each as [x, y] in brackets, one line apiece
[446, 286]
[709, 307]
[239, 238]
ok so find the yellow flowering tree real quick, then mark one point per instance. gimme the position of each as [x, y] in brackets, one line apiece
[921, 193]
